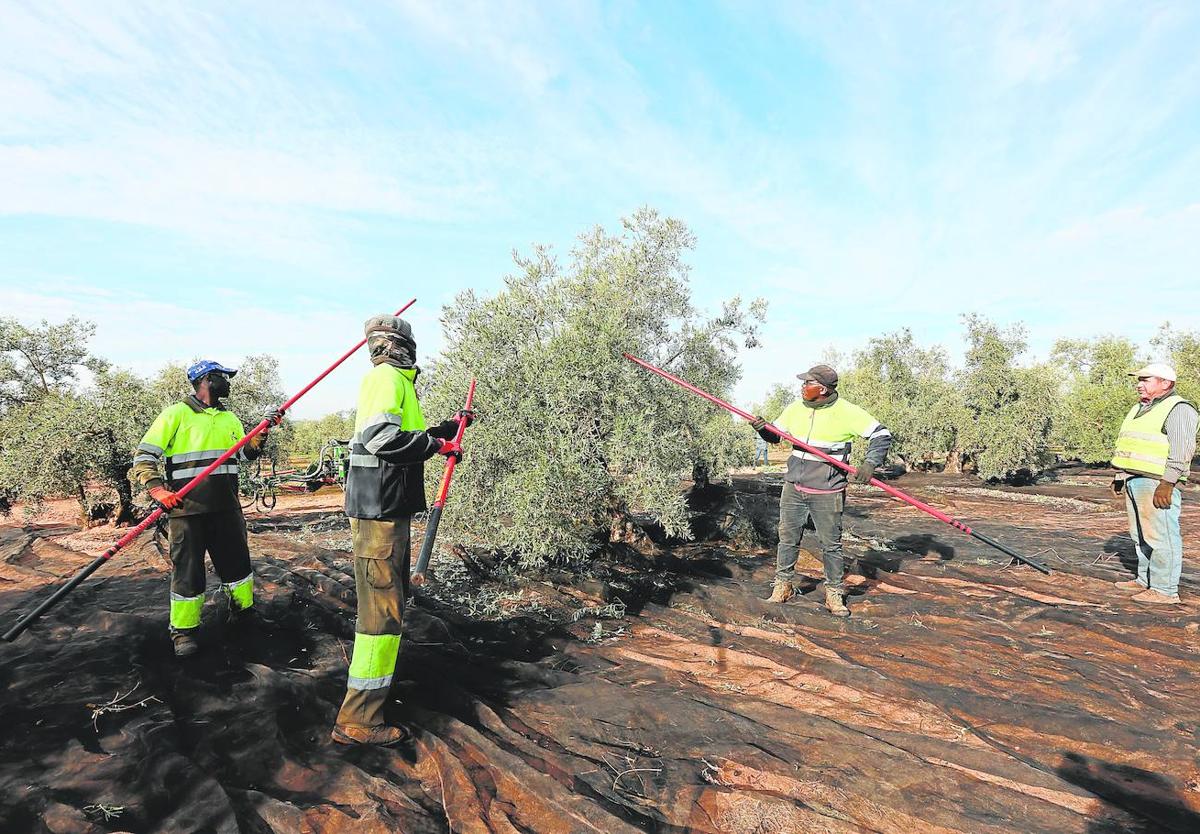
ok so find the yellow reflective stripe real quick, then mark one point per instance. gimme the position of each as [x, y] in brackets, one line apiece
[185, 611]
[374, 660]
[241, 593]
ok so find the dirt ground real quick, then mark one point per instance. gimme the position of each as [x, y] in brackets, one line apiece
[658, 694]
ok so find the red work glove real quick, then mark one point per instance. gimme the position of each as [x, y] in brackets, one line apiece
[168, 499]
[450, 449]
[1163, 494]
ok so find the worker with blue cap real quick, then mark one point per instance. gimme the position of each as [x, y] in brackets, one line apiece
[184, 440]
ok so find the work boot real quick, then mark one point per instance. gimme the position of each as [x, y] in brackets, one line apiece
[1156, 596]
[833, 601]
[249, 618]
[1130, 584]
[382, 736]
[185, 643]
[782, 592]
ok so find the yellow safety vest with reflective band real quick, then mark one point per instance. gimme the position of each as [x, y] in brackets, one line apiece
[829, 429]
[187, 441]
[1142, 445]
[388, 395]
[387, 408]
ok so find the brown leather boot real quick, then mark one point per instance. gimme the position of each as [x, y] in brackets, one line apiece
[185, 643]
[782, 592]
[384, 735]
[833, 601]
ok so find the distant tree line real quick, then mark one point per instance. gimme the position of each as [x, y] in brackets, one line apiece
[575, 447]
[997, 416]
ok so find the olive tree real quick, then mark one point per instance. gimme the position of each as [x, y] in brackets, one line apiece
[1008, 406]
[66, 434]
[572, 437]
[1096, 394]
[310, 435]
[42, 360]
[911, 390]
[1182, 350]
[778, 397]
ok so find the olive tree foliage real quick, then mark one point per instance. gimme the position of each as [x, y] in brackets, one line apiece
[1097, 392]
[42, 360]
[65, 436]
[1182, 350]
[56, 438]
[778, 397]
[310, 435]
[1008, 407]
[911, 390]
[572, 437]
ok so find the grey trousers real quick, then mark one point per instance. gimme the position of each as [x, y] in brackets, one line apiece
[795, 509]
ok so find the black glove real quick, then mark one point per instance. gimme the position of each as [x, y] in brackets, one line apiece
[467, 415]
[757, 423]
[1117, 486]
[865, 473]
[444, 430]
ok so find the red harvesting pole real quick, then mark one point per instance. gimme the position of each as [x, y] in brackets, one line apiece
[125, 540]
[800, 444]
[435, 512]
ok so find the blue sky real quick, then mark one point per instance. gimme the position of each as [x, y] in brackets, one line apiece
[230, 178]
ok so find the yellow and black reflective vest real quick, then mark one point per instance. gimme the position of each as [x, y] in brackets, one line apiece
[831, 428]
[1142, 446]
[187, 436]
[389, 448]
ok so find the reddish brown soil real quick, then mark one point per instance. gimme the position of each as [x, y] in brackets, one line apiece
[963, 695]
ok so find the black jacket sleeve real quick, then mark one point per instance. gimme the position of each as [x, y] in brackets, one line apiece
[388, 442]
[768, 435]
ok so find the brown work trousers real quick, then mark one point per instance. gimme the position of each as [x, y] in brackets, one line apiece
[381, 564]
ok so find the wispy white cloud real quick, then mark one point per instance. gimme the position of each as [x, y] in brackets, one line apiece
[861, 159]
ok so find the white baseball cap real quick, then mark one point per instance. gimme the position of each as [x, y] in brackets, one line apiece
[1159, 369]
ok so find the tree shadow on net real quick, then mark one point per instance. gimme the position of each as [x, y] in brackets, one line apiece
[1152, 798]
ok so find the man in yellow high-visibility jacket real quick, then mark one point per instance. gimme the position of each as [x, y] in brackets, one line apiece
[385, 487]
[1154, 455]
[186, 437]
[814, 489]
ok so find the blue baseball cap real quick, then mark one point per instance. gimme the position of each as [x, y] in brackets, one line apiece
[207, 366]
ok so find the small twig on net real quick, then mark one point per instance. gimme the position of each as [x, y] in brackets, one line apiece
[636, 770]
[115, 705]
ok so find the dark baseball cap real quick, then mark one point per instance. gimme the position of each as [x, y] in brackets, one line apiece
[822, 374]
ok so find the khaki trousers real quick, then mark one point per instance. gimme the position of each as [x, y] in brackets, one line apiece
[381, 564]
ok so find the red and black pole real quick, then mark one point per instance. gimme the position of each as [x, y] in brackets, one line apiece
[435, 513]
[832, 461]
[125, 540]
